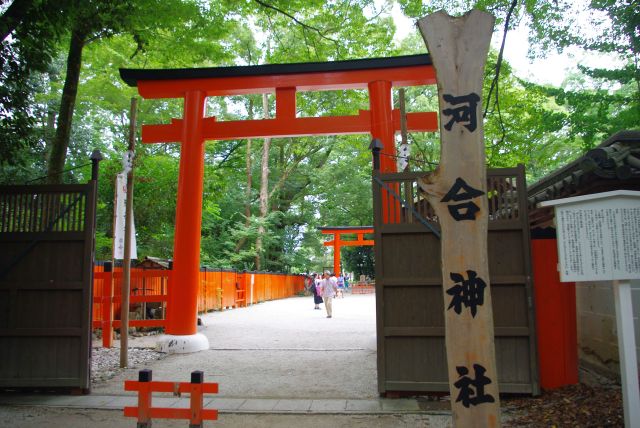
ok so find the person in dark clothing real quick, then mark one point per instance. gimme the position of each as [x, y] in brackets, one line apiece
[317, 299]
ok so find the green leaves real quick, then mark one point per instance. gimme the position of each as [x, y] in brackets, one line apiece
[314, 181]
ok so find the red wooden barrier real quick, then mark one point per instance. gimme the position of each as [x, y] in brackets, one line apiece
[228, 289]
[145, 412]
[217, 290]
[258, 288]
[241, 289]
[147, 286]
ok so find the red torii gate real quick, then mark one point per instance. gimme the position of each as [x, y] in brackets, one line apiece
[337, 243]
[378, 75]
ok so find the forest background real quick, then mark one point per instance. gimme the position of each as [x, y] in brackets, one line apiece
[61, 97]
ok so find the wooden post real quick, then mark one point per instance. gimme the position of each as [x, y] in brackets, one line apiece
[457, 190]
[126, 262]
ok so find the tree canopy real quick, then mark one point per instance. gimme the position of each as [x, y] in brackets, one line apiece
[61, 97]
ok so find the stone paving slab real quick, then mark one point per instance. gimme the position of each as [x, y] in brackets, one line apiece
[292, 405]
[168, 402]
[328, 405]
[363, 406]
[399, 405]
[95, 401]
[121, 402]
[258, 405]
[227, 405]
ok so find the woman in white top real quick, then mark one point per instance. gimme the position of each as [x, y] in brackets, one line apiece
[327, 289]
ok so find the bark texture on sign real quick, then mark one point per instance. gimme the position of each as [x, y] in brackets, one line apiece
[458, 47]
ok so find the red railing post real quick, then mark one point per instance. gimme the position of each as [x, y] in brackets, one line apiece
[107, 306]
[197, 379]
[144, 399]
[196, 412]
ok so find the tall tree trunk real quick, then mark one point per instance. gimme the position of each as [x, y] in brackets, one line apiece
[67, 104]
[49, 131]
[264, 188]
[247, 203]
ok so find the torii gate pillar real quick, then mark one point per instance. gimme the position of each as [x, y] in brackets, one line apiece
[182, 309]
[382, 122]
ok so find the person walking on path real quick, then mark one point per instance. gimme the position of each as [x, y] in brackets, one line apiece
[340, 281]
[327, 289]
[317, 298]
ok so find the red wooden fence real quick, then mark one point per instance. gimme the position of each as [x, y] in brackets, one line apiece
[219, 289]
[145, 412]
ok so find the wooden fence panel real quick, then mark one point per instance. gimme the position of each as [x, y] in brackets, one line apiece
[228, 289]
[46, 280]
[259, 286]
[410, 307]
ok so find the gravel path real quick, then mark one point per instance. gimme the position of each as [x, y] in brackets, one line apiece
[277, 349]
[105, 362]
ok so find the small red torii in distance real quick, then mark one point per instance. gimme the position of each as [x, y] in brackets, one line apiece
[337, 243]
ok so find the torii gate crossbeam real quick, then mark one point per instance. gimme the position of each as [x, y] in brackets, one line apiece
[378, 75]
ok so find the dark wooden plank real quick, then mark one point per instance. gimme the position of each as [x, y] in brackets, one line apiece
[45, 299]
[408, 281]
[40, 332]
[439, 332]
[420, 359]
[417, 386]
[380, 273]
[41, 236]
[43, 285]
[414, 331]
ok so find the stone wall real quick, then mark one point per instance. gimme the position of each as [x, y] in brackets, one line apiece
[597, 332]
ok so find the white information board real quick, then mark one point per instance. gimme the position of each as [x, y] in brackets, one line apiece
[598, 236]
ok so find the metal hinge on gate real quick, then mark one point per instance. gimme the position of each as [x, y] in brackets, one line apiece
[406, 204]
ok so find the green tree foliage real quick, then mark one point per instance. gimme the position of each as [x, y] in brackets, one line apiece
[359, 260]
[597, 102]
[313, 181]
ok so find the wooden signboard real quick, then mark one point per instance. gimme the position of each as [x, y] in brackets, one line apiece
[598, 236]
[457, 190]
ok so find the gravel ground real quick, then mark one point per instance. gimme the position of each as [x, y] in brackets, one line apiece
[278, 349]
[39, 417]
[105, 362]
[285, 349]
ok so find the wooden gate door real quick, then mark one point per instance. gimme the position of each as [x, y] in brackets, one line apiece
[409, 301]
[46, 277]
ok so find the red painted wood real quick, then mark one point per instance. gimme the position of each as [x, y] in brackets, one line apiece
[286, 125]
[165, 386]
[354, 231]
[358, 243]
[555, 318]
[329, 81]
[171, 413]
[182, 311]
